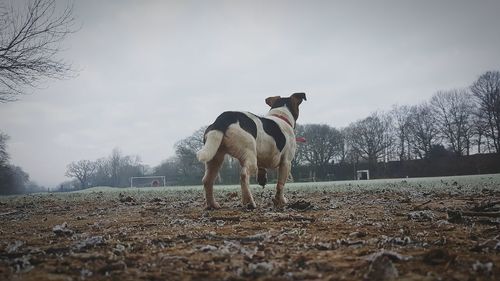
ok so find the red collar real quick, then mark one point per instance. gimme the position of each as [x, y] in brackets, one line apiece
[283, 118]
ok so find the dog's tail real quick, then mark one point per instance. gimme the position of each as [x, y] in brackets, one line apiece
[213, 139]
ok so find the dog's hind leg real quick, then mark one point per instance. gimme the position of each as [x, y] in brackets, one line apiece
[283, 171]
[248, 167]
[211, 171]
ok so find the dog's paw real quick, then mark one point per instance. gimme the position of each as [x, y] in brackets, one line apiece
[250, 206]
[213, 206]
[280, 203]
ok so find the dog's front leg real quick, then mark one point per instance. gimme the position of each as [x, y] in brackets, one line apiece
[283, 171]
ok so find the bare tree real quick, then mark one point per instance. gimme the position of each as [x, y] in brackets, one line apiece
[401, 120]
[486, 90]
[423, 130]
[29, 44]
[453, 111]
[370, 138]
[4, 155]
[193, 142]
[122, 167]
[102, 174]
[482, 131]
[185, 150]
[299, 158]
[345, 148]
[322, 146]
[114, 166]
[169, 169]
[81, 170]
[347, 153]
[12, 178]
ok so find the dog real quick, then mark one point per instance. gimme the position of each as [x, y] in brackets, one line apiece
[259, 143]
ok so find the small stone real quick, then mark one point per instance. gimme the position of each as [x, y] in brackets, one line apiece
[455, 216]
[120, 265]
[208, 248]
[483, 267]
[88, 243]
[382, 268]
[84, 273]
[301, 205]
[437, 256]
[14, 246]
[357, 234]
[421, 215]
[125, 199]
[62, 229]
[260, 269]
[323, 246]
[386, 253]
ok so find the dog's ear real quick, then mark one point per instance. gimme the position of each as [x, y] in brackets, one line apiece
[295, 100]
[271, 100]
[298, 98]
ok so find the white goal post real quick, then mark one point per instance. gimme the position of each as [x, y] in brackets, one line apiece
[147, 181]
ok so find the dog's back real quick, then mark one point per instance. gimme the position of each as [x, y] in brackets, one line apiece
[230, 127]
[242, 133]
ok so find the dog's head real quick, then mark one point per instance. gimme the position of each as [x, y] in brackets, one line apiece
[291, 103]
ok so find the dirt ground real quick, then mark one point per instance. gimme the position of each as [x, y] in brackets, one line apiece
[321, 235]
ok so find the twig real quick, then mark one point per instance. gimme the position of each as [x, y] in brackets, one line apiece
[212, 219]
[423, 204]
[9, 213]
[251, 238]
[293, 218]
[482, 214]
[485, 206]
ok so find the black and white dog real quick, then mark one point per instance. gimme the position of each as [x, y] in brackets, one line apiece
[259, 143]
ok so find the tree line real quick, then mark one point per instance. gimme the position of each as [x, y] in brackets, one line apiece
[13, 179]
[454, 122]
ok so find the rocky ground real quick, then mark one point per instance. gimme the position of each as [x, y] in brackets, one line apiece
[398, 231]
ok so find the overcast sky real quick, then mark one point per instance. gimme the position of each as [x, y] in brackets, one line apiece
[153, 72]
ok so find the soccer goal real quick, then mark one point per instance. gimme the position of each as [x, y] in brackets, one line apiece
[362, 174]
[149, 181]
